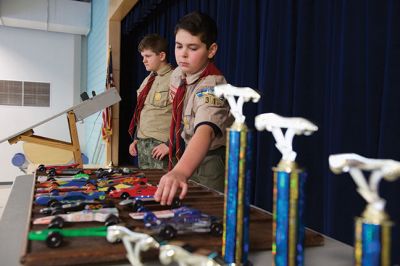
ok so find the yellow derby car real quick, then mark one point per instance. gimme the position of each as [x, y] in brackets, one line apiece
[113, 187]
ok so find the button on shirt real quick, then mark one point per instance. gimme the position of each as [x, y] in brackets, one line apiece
[155, 117]
[201, 106]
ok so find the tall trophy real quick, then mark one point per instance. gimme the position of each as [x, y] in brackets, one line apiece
[235, 241]
[373, 229]
[288, 193]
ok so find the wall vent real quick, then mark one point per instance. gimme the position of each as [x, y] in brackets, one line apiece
[24, 93]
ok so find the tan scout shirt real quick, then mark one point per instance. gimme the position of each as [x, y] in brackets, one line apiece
[202, 106]
[155, 117]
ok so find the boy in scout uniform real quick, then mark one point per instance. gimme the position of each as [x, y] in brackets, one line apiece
[199, 117]
[149, 127]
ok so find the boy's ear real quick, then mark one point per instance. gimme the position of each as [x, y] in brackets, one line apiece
[212, 50]
[163, 56]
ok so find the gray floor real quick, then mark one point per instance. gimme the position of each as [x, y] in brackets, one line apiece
[4, 194]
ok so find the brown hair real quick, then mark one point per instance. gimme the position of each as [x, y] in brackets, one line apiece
[201, 25]
[153, 42]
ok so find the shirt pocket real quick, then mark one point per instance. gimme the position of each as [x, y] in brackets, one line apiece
[187, 122]
[159, 98]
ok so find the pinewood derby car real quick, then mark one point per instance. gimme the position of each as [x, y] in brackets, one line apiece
[43, 168]
[126, 180]
[140, 204]
[55, 190]
[185, 220]
[80, 177]
[107, 215]
[100, 173]
[114, 176]
[50, 200]
[54, 237]
[138, 190]
[76, 206]
[70, 169]
[110, 188]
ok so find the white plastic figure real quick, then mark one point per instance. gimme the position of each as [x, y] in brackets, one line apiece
[295, 125]
[355, 164]
[172, 253]
[244, 94]
[141, 242]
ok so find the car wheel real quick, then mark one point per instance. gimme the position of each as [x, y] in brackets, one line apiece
[216, 229]
[41, 168]
[52, 172]
[101, 197]
[111, 220]
[102, 175]
[54, 240]
[176, 203]
[56, 211]
[110, 189]
[56, 222]
[125, 195]
[54, 203]
[137, 205]
[168, 232]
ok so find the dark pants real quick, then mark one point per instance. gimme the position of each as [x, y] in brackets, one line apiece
[211, 171]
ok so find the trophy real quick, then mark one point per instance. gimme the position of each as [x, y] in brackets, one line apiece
[373, 228]
[177, 253]
[288, 204]
[235, 241]
[134, 242]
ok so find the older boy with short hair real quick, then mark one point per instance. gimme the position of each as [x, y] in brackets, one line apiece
[204, 116]
[149, 126]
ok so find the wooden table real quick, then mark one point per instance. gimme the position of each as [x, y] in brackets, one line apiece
[19, 212]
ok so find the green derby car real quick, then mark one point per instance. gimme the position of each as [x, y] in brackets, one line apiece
[54, 237]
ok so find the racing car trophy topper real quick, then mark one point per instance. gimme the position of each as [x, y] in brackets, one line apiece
[288, 192]
[181, 254]
[134, 242]
[373, 228]
[235, 241]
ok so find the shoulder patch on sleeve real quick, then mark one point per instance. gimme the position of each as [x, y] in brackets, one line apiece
[205, 91]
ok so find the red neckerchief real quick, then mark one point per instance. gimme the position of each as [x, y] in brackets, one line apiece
[140, 103]
[177, 109]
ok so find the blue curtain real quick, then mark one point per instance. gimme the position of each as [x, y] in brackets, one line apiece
[336, 63]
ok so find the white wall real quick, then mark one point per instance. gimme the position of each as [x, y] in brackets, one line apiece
[40, 56]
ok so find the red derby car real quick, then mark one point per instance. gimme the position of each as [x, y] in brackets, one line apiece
[139, 190]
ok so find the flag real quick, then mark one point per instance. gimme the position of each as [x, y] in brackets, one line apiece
[106, 129]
